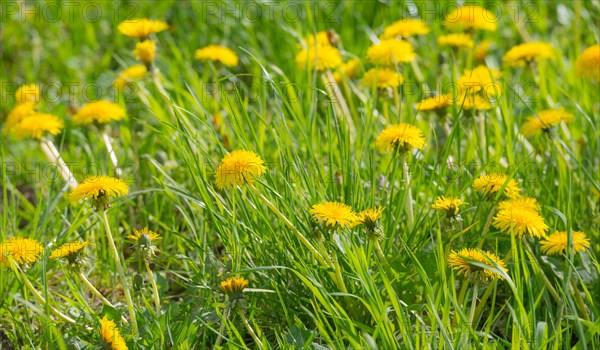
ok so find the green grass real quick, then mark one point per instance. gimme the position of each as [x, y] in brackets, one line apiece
[169, 149]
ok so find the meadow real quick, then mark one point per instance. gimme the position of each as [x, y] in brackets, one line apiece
[300, 175]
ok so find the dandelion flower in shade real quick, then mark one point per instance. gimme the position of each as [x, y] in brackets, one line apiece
[130, 74]
[481, 78]
[141, 28]
[520, 221]
[544, 120]
[458, 40]
[349, 69]
[520, 202]
[449, 204]
[17, 114]
[491, 184]
[481, 50]
[334, 215]
[37, 125]
[463, 262]
[217, 53]
[435, 103]
[111, 335]
[557, 243]
[238, 168]
[319, 58]
[99, 189]
[401, 137]
[471, 18]
[145, 51]
[99, 112]
[23, 251]
[70, 251]
[233, 287]
[520, 55]
[369, 218]
[391, 51]
[588, 63]
[28, 93]
[382, 78]
[405, 28]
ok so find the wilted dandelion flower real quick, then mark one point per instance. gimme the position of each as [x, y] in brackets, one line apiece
[37, 125]
[525, 53]
[481, 50]
[449, 204]
[435, 102]
[70, 251]
[233, 287]
[238, 168]
[588, 63]
[130, 74]
[405, 28]
[145, 51]
[463, 262]
[520, 202]
[23, 251]
[471, 18]
[390, 51]
[99, 189]
[382, 78]
[111, 335]
[17, 114]
[99, 112]
[491, 184]
[557, 242]
[349, 69]
[320, 58]
[28, 93]
[141, 28]
[334, 215]
[217, 53]
[544, 120]
[401, 137]
[520, 220]
[458, 40]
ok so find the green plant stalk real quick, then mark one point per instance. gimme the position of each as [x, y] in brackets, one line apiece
[97, 293]
[53, 156]
[409, 205]
[154, 288]
[111, 154]
[549, 285]
[220, 338]
[124, 283]
[250, 330]
[473, 304]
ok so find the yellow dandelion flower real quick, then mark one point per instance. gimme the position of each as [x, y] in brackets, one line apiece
[70, 251]
[449, 204]
[130, 74]
[28, 93]
[145, 51]
[544, 120]
[520, 202]
[491, 184]
[141, 28]
[520, 221]
[319, 58]
[99, 112]
[369, 217]
[111, 335]
[435, 102]
[22, 250]
[458, 40]
[463, 263]
[349, 69]
[471, 18]
[37, 125]
[17, 114]
[401, 137]
[557, 243]
[334, 215]
[99, 189]
[143, 242]
[319, 39]
[382, 78]
[137, 234]
[217, 53]
[238, 168]
[525, 53]
[473, 102]
[405, 28]
[391, 51]
[234, 286]
[481, 50]
[587, 64]
[481, 78]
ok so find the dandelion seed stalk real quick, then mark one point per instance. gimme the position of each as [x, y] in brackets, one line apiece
[155, 293]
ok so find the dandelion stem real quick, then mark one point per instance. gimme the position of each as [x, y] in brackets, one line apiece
[257, 340]
[124, 283]
[53, 156]
[223, 324]
[409, 199]
[578, 299]
[549, 286]
[154, 287]
[482, 136]
[473, 304]
[97, 293]
[111, 154]
[333, 90]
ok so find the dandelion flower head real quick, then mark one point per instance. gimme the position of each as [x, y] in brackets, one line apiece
[238, 168]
